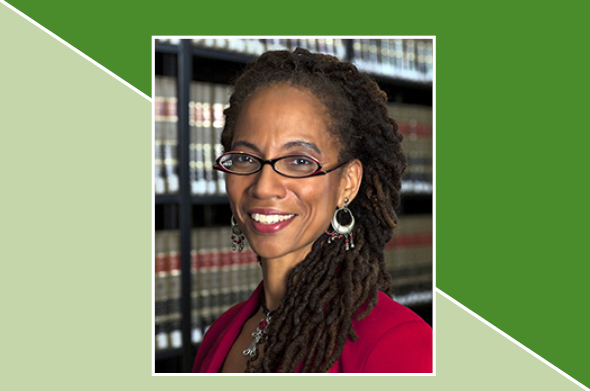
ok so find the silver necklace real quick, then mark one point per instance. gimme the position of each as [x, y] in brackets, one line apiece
[260, 330]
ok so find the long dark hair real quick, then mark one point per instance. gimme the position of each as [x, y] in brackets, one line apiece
[314, 319]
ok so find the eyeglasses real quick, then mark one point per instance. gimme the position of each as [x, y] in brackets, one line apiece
[292, 166]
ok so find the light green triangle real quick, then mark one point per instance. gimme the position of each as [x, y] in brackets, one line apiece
[473, 356]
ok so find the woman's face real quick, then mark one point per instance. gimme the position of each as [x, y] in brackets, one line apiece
[278, 121]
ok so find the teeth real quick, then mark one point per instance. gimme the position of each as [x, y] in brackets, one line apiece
[270, 219]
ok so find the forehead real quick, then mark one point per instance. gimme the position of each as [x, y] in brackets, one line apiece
[279, 115]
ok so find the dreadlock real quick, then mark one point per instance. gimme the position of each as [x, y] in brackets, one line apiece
[314, 319]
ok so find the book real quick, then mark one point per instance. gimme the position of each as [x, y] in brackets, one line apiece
[222, 277]
[174, 291]
[415, 123]
[409, 59]
[408, 258]
[170, 134]
[159, 115]
[161, 291]
[208, 136]
[197, 161]
[220, 100]
[196, 305]
[401, 58]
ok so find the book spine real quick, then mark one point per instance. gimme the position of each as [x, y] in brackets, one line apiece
[225, 276]
[421, 61]
[208, 138]
[220, 95]
[216, 274]
[243, 274]
[192, 122]
[196, 314]
[159, 116]
[235, 273]
[384, 65]
[170, 135]
[205, 281]
[415, 123]
[398, 57]
[321, 45]
[373, 56]
[409, 59]
[409, 259]
[200, 186]
[428, 58]
[365, 53]
[161, 291]
[330, 46]
[174, 291]
[340, 48]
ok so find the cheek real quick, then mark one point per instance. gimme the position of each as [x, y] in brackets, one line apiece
[234, 186]
[320, 199]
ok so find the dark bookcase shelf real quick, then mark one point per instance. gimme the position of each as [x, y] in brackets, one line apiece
[222, 56]
[210, 200]
[166, 48]
[169, 353]
[166, 199]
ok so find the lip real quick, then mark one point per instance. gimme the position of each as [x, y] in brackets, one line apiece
[268, 229]
[268, 211]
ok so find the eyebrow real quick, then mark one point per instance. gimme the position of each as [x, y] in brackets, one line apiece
[303, 144]
[245, 144]
[290, 144]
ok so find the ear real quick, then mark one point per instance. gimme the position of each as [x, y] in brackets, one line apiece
[350, 181]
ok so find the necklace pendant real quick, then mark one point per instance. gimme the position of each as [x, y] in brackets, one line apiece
[251, 351]
[257, 335]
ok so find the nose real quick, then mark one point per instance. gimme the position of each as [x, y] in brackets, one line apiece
[268, 184]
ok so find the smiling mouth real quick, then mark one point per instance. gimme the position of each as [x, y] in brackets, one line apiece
[270, 219]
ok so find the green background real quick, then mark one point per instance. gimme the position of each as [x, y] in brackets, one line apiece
[510, 187]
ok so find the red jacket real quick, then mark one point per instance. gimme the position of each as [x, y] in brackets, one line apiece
[392, 339]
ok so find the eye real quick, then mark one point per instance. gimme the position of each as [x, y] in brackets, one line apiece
[298, 165]
[243, 159]
[299, 161]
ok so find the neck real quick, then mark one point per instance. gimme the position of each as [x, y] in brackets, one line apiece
[276, 273]
[275, 282]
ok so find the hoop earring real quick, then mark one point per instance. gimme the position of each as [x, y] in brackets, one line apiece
[342, 230]
[237, 237]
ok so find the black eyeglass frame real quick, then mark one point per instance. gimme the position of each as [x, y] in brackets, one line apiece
[219, 167]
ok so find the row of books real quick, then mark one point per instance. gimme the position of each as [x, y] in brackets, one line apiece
[206, 121]
[415, 123]
[410, 59]
[255, 47]
[167, 290]
[165, 136]
[408, 258]
[221, 278]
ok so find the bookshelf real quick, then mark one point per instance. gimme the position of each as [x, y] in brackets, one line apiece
[184, 210]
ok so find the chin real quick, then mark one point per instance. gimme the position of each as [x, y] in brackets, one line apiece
[266, 250]
[273, 249]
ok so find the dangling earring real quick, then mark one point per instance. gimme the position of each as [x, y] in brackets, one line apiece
[237, 237]
[342, 230]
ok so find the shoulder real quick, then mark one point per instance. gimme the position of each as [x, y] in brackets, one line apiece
[214, 334]
[221, 323]
[392, 339]
[220, 336]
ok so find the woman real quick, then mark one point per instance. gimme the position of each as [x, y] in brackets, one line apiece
[313, 173]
